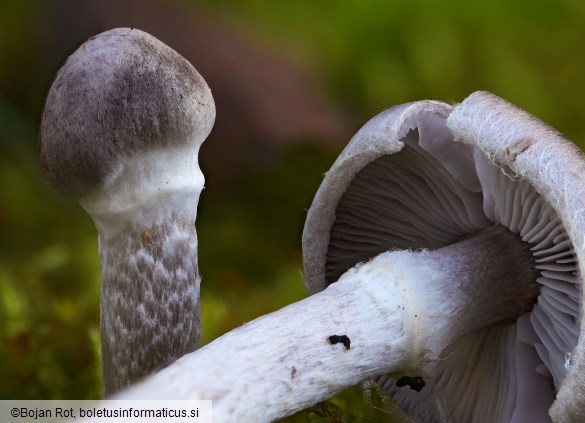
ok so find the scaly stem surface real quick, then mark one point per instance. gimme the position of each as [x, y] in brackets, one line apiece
[150, 294]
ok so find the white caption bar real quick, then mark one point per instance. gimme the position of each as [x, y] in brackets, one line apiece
[106, 411]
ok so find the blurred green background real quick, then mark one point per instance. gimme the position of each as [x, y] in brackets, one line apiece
[292, 81]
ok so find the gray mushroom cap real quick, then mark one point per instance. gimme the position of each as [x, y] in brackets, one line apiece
[425, 174]
[121, 93]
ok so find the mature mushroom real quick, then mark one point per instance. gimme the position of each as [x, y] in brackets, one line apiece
[120, 131]
[402, 183]
[481, 269]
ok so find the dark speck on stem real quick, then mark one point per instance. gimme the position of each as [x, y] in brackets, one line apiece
[335, 339]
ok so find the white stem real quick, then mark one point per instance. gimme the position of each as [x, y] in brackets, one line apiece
[395, 314]
[284, 362]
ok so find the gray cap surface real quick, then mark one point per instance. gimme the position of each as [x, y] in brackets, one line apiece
[120, 93]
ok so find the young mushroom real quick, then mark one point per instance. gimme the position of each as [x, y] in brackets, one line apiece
[445, 247]
[121, 131]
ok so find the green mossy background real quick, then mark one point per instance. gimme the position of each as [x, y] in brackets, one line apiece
[367, 55]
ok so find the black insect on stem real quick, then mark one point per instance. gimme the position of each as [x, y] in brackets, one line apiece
[415, 383]
[335, 339]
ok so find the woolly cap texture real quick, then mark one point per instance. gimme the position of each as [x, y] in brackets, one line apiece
[556, 169]
[120, 93]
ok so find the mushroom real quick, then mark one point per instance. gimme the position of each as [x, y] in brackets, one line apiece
[121, 130]
[443, 249]
[403, 184]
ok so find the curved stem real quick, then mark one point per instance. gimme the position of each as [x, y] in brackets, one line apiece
[293, 358]
[394, 314]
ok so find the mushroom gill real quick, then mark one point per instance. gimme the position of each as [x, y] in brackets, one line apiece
[428, 195]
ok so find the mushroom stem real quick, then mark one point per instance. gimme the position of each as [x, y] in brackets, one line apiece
[378, 318]
[489, 277]
[150, 295]
[149, 276]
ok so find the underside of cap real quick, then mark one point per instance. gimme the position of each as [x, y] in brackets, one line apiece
[380, 137]
[427, 191]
